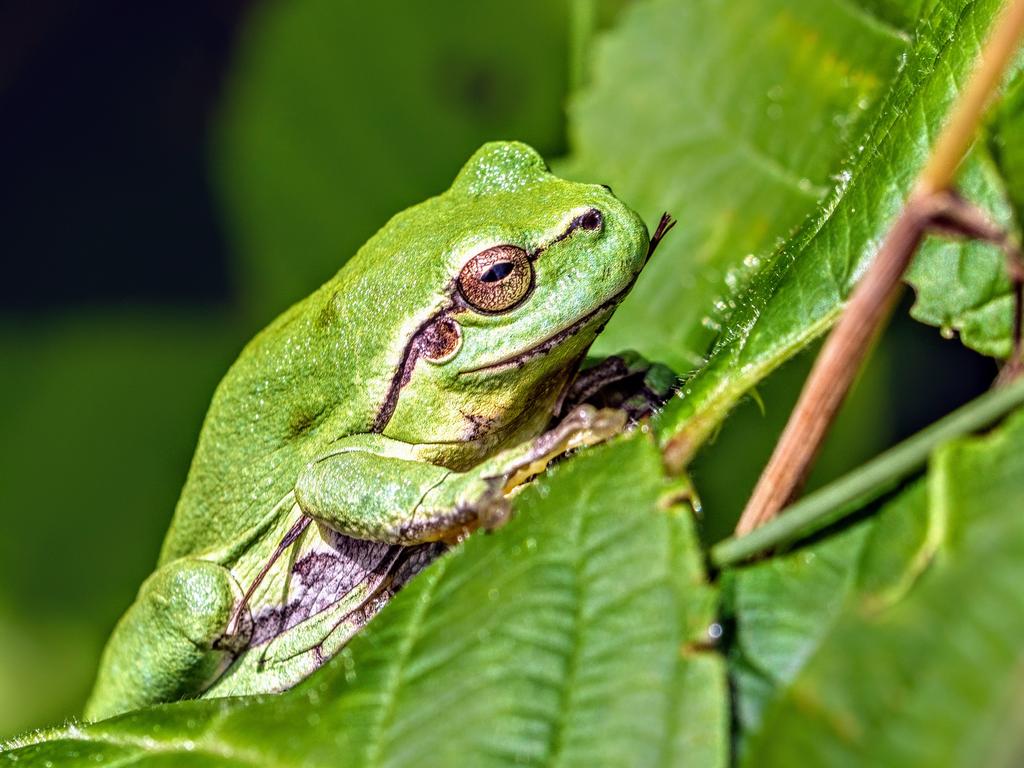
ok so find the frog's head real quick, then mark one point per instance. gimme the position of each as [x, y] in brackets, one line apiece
[523, 269]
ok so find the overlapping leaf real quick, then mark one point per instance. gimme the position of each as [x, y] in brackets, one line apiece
[785, 136]
[920, 663]
[570, 637]
[733, 116]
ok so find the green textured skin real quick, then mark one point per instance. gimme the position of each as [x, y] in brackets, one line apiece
[174, 605]
[296, 425]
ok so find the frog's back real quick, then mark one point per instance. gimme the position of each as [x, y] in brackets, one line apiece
[326, 368]
[272, 401]
[319, 372]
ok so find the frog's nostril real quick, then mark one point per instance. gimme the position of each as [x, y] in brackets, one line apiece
[608, 188]
[592, 219]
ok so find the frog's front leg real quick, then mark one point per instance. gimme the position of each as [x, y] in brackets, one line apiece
[163, 648]
[626, 380]
[373, 487]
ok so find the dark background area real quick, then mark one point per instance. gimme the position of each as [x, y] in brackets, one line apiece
[128, 290]
[109, 230]
[106, 197]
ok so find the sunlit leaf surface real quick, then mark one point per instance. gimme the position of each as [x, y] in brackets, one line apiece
[574, 636]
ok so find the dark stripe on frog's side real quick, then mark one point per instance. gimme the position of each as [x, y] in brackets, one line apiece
[429, 341]
[411, 561]
[324, 577]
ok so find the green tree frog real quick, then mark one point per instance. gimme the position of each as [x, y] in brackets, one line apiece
[395, 408]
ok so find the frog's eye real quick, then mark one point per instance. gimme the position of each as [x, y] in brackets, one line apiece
[497, 279]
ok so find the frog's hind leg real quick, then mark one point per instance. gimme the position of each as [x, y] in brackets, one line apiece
[167, 646]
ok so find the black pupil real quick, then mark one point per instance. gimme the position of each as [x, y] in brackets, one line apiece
[496, 272]
[591, 219]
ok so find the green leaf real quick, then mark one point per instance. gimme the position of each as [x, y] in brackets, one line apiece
[922, 665]
[339, 115]
[571, 637]
[733, 117]
[785, 136]
[784, 607]
[1006, 143]
[963, 286]
[788, 605]
[905, 13]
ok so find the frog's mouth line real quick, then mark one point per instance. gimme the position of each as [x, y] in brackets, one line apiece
[519, 359]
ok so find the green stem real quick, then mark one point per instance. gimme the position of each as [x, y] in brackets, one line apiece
[865, 484]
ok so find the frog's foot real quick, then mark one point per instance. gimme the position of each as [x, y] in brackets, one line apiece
[584, 426]
[491, 509]
[372, 487]
[626, 381]
[507, 473]
[165, 647]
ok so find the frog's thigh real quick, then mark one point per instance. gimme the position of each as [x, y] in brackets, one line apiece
[162, 648]
[373, 489]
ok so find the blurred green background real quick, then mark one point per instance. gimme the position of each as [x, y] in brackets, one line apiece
[160, 205]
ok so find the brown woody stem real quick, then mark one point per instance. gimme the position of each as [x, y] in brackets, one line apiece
[874, 296]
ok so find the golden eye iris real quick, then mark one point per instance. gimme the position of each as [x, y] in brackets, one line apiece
[497, 279]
